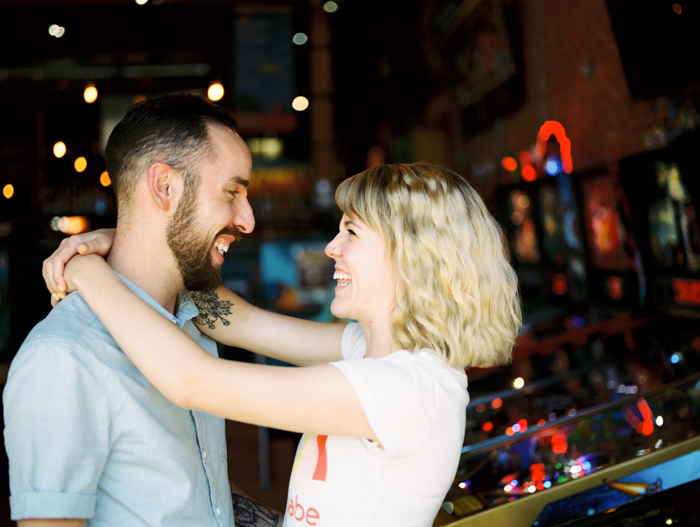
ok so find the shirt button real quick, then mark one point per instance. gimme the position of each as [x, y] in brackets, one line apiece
[218, 511]
[204, 454]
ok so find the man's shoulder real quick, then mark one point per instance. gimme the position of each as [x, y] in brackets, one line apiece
[64, 324]
[70, 330]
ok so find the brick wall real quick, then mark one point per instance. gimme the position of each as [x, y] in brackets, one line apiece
[572, 74]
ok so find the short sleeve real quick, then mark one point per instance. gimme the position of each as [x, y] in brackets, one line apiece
[353, 344]
[56, 433]
[399, 397]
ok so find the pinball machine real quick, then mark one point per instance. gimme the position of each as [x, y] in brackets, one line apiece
[610, 278]
[581, 467]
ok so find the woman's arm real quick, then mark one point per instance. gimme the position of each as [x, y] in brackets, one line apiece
[229, 319]
[224, 316]
[316, 399]
[95, 242]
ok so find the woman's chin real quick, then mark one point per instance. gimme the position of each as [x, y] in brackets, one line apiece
[337, 310]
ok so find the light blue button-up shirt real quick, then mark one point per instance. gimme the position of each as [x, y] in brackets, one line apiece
[88, 436]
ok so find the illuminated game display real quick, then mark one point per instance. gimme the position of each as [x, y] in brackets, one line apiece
[545, 461]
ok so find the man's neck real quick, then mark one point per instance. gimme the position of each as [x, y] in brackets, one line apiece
[145, 265]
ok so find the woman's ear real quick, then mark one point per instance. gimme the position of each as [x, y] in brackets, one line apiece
[164, 185]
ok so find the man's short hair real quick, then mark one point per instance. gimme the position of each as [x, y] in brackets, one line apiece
[171, 129]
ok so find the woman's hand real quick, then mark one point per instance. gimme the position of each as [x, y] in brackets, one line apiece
[83, 269]
[96, 242]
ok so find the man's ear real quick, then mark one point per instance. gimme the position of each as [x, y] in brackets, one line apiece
[164, 185]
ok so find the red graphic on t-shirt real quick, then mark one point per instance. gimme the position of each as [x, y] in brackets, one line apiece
[322, 463]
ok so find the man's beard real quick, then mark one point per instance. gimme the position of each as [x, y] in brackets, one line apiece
[193, 252]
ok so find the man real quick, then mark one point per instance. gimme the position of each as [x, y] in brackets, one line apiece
[89, 439]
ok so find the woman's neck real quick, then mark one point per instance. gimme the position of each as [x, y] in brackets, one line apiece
[380, 341]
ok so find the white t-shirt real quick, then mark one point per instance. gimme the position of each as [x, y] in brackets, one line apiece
[416, 406]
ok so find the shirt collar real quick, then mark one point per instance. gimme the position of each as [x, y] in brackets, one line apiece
[185, 308]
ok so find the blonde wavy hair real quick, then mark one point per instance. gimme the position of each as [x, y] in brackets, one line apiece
[456, 291]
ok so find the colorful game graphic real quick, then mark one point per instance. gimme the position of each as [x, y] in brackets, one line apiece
[673, 225]
[615, 493]
[549, 455]
[524, 239]
[552, 225]
[606, 235]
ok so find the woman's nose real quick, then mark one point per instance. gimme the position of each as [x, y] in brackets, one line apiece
[333, 248]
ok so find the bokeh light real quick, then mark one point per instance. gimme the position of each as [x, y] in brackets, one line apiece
[215, 91]
[56, 31]
[300, 103]
[80, 164]
[70, 224]
[677, 8]
[300, 39]
[330, 7]
[518, 383]
[8, 191]
[90, 93]
[105, 180]
[509, 163]
[59, 149]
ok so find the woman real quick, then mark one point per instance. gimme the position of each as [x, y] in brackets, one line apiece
[421, 265]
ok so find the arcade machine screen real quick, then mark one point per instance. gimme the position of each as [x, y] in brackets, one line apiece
[665, 205]
[664, 192]
[614, 267]
[543, 231]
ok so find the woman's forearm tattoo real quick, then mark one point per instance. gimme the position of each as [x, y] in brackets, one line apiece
[211, 308]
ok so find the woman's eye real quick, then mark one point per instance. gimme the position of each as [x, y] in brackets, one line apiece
[350, 231]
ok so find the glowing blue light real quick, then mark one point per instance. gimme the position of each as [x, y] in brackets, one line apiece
[514, 482]
[675, 358]
[547, 484]
[579, 322]
[100, 206]
[552, 167]
[516, 427]
[587, 465]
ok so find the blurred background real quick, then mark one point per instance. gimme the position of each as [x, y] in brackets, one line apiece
[576, 120]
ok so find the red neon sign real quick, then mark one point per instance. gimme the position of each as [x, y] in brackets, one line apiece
[555, 128]
[549, 128]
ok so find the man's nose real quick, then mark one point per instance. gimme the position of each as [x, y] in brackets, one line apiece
[244, 219]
